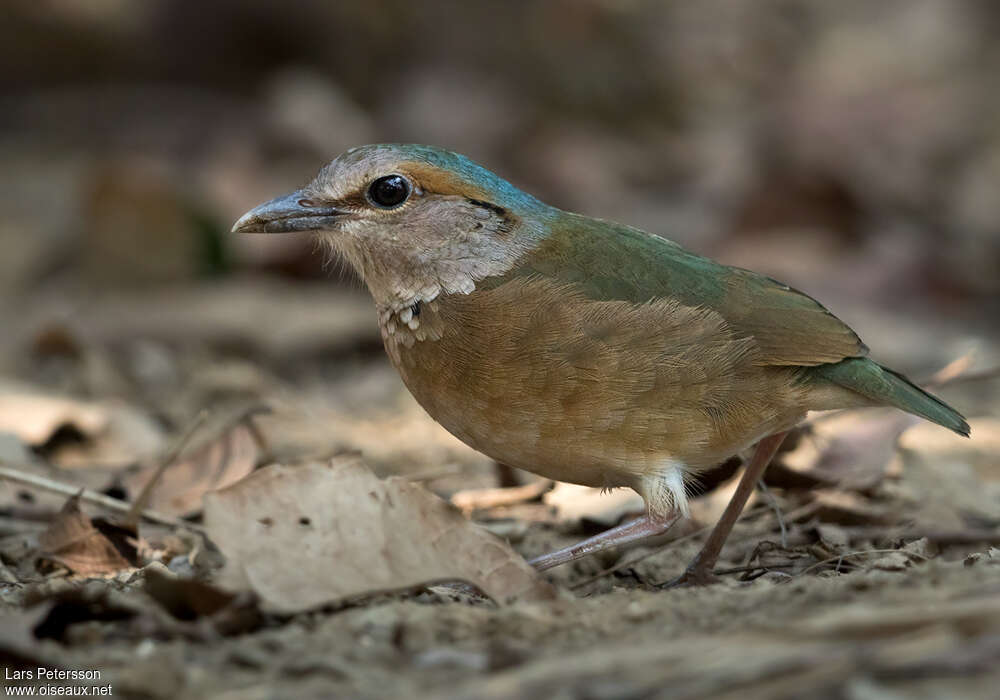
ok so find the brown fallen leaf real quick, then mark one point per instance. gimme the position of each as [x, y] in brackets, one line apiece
[309, 535]
[72, 541]
[226, 452]
[916, 551]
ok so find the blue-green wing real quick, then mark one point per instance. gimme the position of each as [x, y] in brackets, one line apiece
[610, 261]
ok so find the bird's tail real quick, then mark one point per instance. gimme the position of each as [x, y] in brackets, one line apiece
[885, 387]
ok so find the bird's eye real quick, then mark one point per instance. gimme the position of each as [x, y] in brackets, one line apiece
[389, 191]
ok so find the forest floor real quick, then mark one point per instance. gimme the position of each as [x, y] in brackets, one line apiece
[276, 523]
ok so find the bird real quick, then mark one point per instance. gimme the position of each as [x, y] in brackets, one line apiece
[580, 349]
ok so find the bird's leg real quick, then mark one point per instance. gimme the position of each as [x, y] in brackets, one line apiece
[646, 526]
[699, 571]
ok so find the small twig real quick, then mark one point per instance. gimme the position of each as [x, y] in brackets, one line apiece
[773, 502]
[132, 517]
[754, 567]
[98, 499]
[840, 558]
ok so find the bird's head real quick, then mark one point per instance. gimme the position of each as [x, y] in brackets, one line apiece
[414, 221]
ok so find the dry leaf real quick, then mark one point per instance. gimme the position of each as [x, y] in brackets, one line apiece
[223, 461]
[309, 535]
[905, 557]
[73, 541]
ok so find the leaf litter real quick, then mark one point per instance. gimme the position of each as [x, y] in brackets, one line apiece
[305, 583]
[74, 541]
[305, 536]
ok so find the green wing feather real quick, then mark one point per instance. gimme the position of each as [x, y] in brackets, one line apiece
[612, 261]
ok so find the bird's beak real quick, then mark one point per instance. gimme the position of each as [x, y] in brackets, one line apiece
[292, 212]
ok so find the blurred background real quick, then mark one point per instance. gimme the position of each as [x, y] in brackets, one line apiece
[851, 149]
